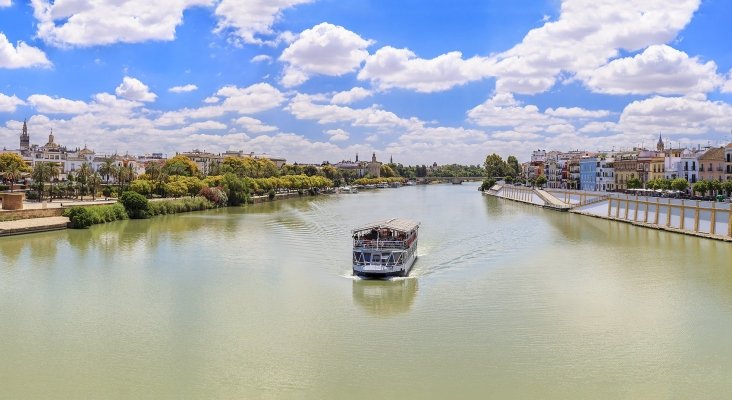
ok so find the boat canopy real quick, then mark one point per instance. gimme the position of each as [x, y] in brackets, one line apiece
[394, 224]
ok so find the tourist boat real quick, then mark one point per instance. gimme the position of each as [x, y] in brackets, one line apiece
[410, 183]
[349, 189]
[382, 185]
[385, 248]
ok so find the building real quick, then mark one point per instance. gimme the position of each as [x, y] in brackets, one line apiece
[688, 163]
[205, 161]
[712, 164]
[588, 168]
[625, 168]
[605, 173]
[728, 160]
[374, 167]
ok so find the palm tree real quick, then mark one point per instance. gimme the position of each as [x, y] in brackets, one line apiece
[83, 177]
[94, 180]
[42, 173]
[107, 168]
[13, 173]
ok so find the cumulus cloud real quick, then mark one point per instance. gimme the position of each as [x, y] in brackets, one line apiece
[503, 110]
[261, 58]
[102, 22]
[183, 89]
[9, 103]
[254, 125]
[659, 69]
[133, 89]
[390, 67]
[587, 35]
[5, 3]
[21, 55]
[324, 49]
[676, 115]
[304, 106]
[248, 19]
[211, 100]
[350, 96]
[576, 112]
[727, 86]
[54, 105]
[337, 135]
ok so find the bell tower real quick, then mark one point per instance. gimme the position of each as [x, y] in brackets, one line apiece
[24, 138]
[659, 145]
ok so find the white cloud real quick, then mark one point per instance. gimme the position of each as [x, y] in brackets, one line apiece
[576, 112]
[337, 135]
[252, 99]
[183, 89]
[251, 18]
[350, 96]
[261, 58]
[102, 22]
[390, 67]
[211, 100]
[586, 35]
[727, 86]
[324, 49]
[133, 89]
[676, 115]
[659, 69]
[254, 125]
[5, 3]
[305, 107]
[9, 103]
[54, 105]
[504, 111]
[204, 126]
[20, 56]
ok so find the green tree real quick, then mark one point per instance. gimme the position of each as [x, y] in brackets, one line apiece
[634, 183]
[135, 204]
[513, 165]
[108, 168]
[386, 171]
[540, 181]
[180, 165]
[310, 170]
[236, 189]
[714, 186]
[12, 167]
[494, 166]
[700, 187]
[42, 173]
[680, 184]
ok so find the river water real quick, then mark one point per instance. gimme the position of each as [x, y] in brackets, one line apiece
[505, 301]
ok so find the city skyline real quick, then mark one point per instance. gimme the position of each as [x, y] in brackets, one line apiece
[322, 80]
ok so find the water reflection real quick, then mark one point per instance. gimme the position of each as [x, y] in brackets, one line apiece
[385, 298]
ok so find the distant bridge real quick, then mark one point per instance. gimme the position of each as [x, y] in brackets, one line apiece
[448, 179]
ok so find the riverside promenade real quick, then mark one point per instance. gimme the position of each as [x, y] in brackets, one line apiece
[712, 220]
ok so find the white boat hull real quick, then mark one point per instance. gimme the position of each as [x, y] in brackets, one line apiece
[374, 270]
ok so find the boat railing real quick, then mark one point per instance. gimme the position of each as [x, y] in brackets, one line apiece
[380, 244]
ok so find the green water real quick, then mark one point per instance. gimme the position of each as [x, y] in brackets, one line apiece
[505, 301]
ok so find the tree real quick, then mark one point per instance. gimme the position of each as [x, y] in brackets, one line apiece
[83, 176]
[540, 180]
[700, 187]
[42, 173]
[679, 184]
[181, 165]
[135, 204]
[634, 183]
[727, 187]
[330, 172]
[714, 186]
[386, 171]
[94, 181]
[236, 189]
[107, 169]
[12, 167]
[513, 165]
[494, 166]
[310, 170]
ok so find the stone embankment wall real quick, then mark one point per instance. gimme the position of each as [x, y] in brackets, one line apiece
[576, 197]
[31, 213]
[700, 218]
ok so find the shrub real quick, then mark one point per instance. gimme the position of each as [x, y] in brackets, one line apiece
[80, 217]
[31, 195]
[215, 195]
[164, 207]
[271, 194]
[135, 204]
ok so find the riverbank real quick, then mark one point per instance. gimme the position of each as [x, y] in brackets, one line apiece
[40, 217]
[709, 220]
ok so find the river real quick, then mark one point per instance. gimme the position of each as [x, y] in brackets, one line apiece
[505, 301]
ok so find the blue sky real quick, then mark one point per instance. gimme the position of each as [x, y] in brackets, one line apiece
[314, 80]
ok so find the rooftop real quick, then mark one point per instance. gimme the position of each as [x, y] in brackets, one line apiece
[395, 224]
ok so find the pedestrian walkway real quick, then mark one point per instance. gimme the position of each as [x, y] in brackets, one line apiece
[33, 225]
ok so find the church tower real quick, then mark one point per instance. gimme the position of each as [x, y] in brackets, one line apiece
[24, 138]
[659, 145]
